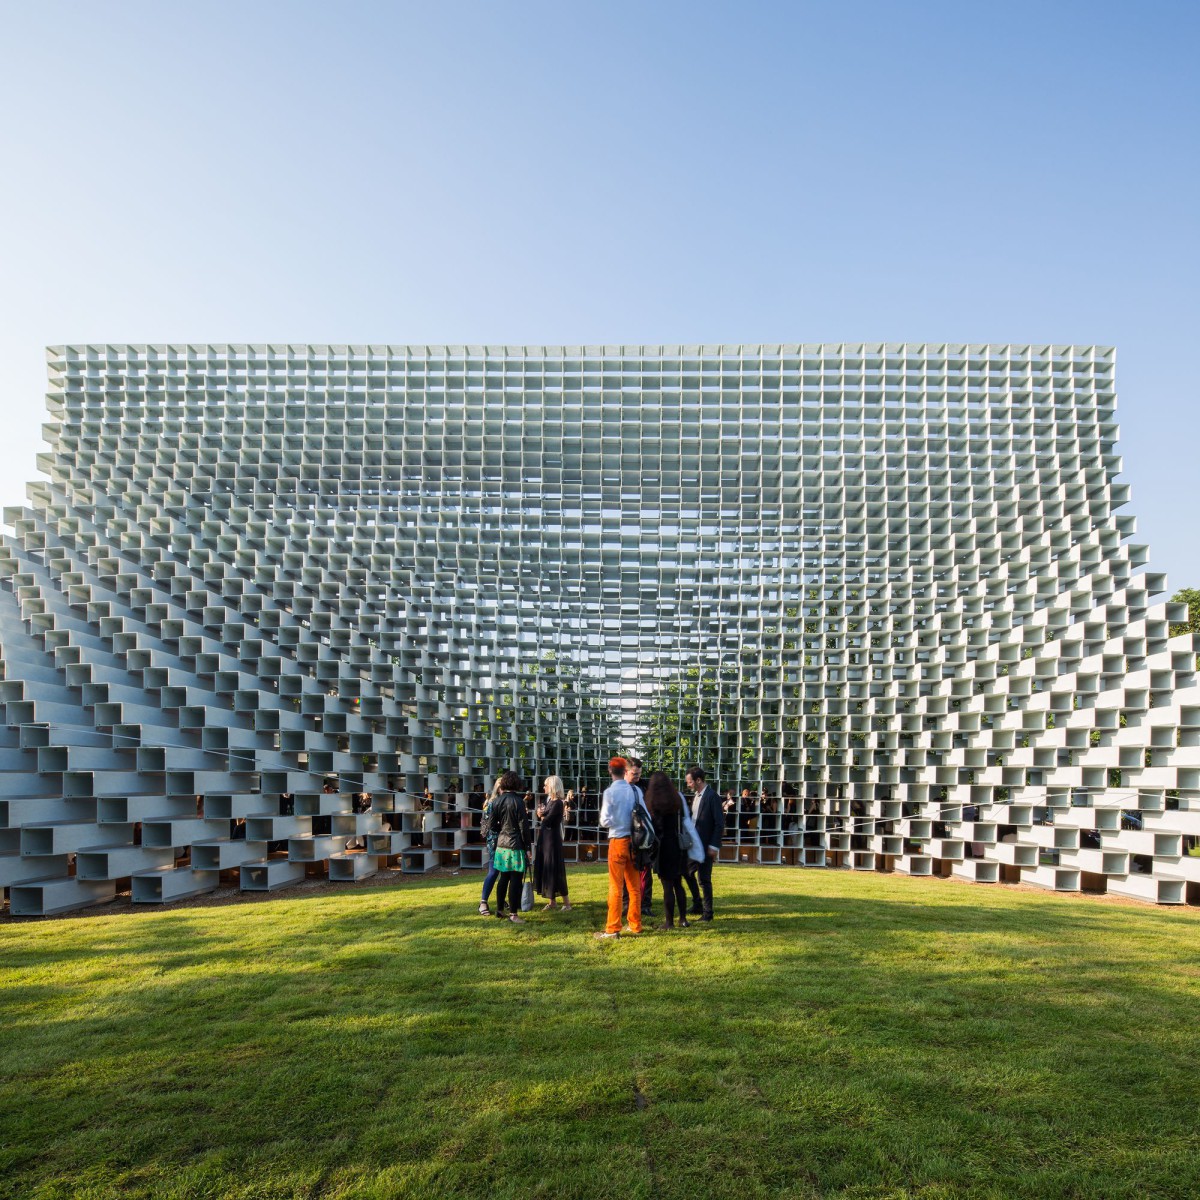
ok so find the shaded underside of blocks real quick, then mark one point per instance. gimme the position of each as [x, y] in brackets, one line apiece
[889, 584]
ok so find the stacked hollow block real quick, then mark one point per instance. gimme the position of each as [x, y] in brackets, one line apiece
[255, 569]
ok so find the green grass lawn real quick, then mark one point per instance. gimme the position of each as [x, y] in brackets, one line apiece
[829, 1034]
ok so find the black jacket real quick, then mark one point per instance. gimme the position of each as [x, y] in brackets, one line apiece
[511, 820]
[710, 820]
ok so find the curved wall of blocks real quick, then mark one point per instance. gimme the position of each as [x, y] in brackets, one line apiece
[888, 583]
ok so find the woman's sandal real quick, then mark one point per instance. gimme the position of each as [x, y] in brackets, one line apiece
[484, 911]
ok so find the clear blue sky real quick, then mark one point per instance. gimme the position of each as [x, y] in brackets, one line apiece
[642, 172]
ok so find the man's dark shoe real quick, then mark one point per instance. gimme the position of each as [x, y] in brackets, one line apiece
[706, 916]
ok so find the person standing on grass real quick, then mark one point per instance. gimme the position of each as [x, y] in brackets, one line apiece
[549, 866]
[489, 832]
[633, 776]
[710, 825]
[616, 815]
[514, 839]
[666, 811]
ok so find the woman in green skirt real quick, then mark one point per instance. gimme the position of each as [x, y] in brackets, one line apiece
[514, 838]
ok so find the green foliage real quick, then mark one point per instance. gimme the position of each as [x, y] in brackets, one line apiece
[831, 1034]
[548, 696]
[694, 720]
[1190, 597]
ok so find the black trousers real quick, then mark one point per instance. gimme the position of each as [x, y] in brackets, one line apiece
[700, 884]
[508, 893]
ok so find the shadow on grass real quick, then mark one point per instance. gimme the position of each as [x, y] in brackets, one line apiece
[389, 1042]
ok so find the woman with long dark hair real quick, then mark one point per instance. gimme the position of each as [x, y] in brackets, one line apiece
[514, 839]
[666, 811]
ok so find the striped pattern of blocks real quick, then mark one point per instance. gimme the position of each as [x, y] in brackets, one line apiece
[894, 578]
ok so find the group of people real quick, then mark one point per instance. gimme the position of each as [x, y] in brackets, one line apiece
[686, 842]
[508, 842]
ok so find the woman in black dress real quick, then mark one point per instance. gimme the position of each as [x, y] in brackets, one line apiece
[549, 867]
[666, 811]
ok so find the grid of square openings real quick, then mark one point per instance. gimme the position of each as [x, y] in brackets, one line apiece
[507, 555]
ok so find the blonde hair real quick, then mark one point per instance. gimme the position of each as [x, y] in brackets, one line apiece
[554, 786]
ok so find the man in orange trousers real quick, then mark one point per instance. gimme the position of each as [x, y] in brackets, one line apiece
[616, 815]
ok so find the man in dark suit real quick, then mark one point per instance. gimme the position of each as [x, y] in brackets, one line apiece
[710, 825]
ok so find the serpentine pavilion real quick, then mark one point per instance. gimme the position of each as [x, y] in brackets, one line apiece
[286, 610]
